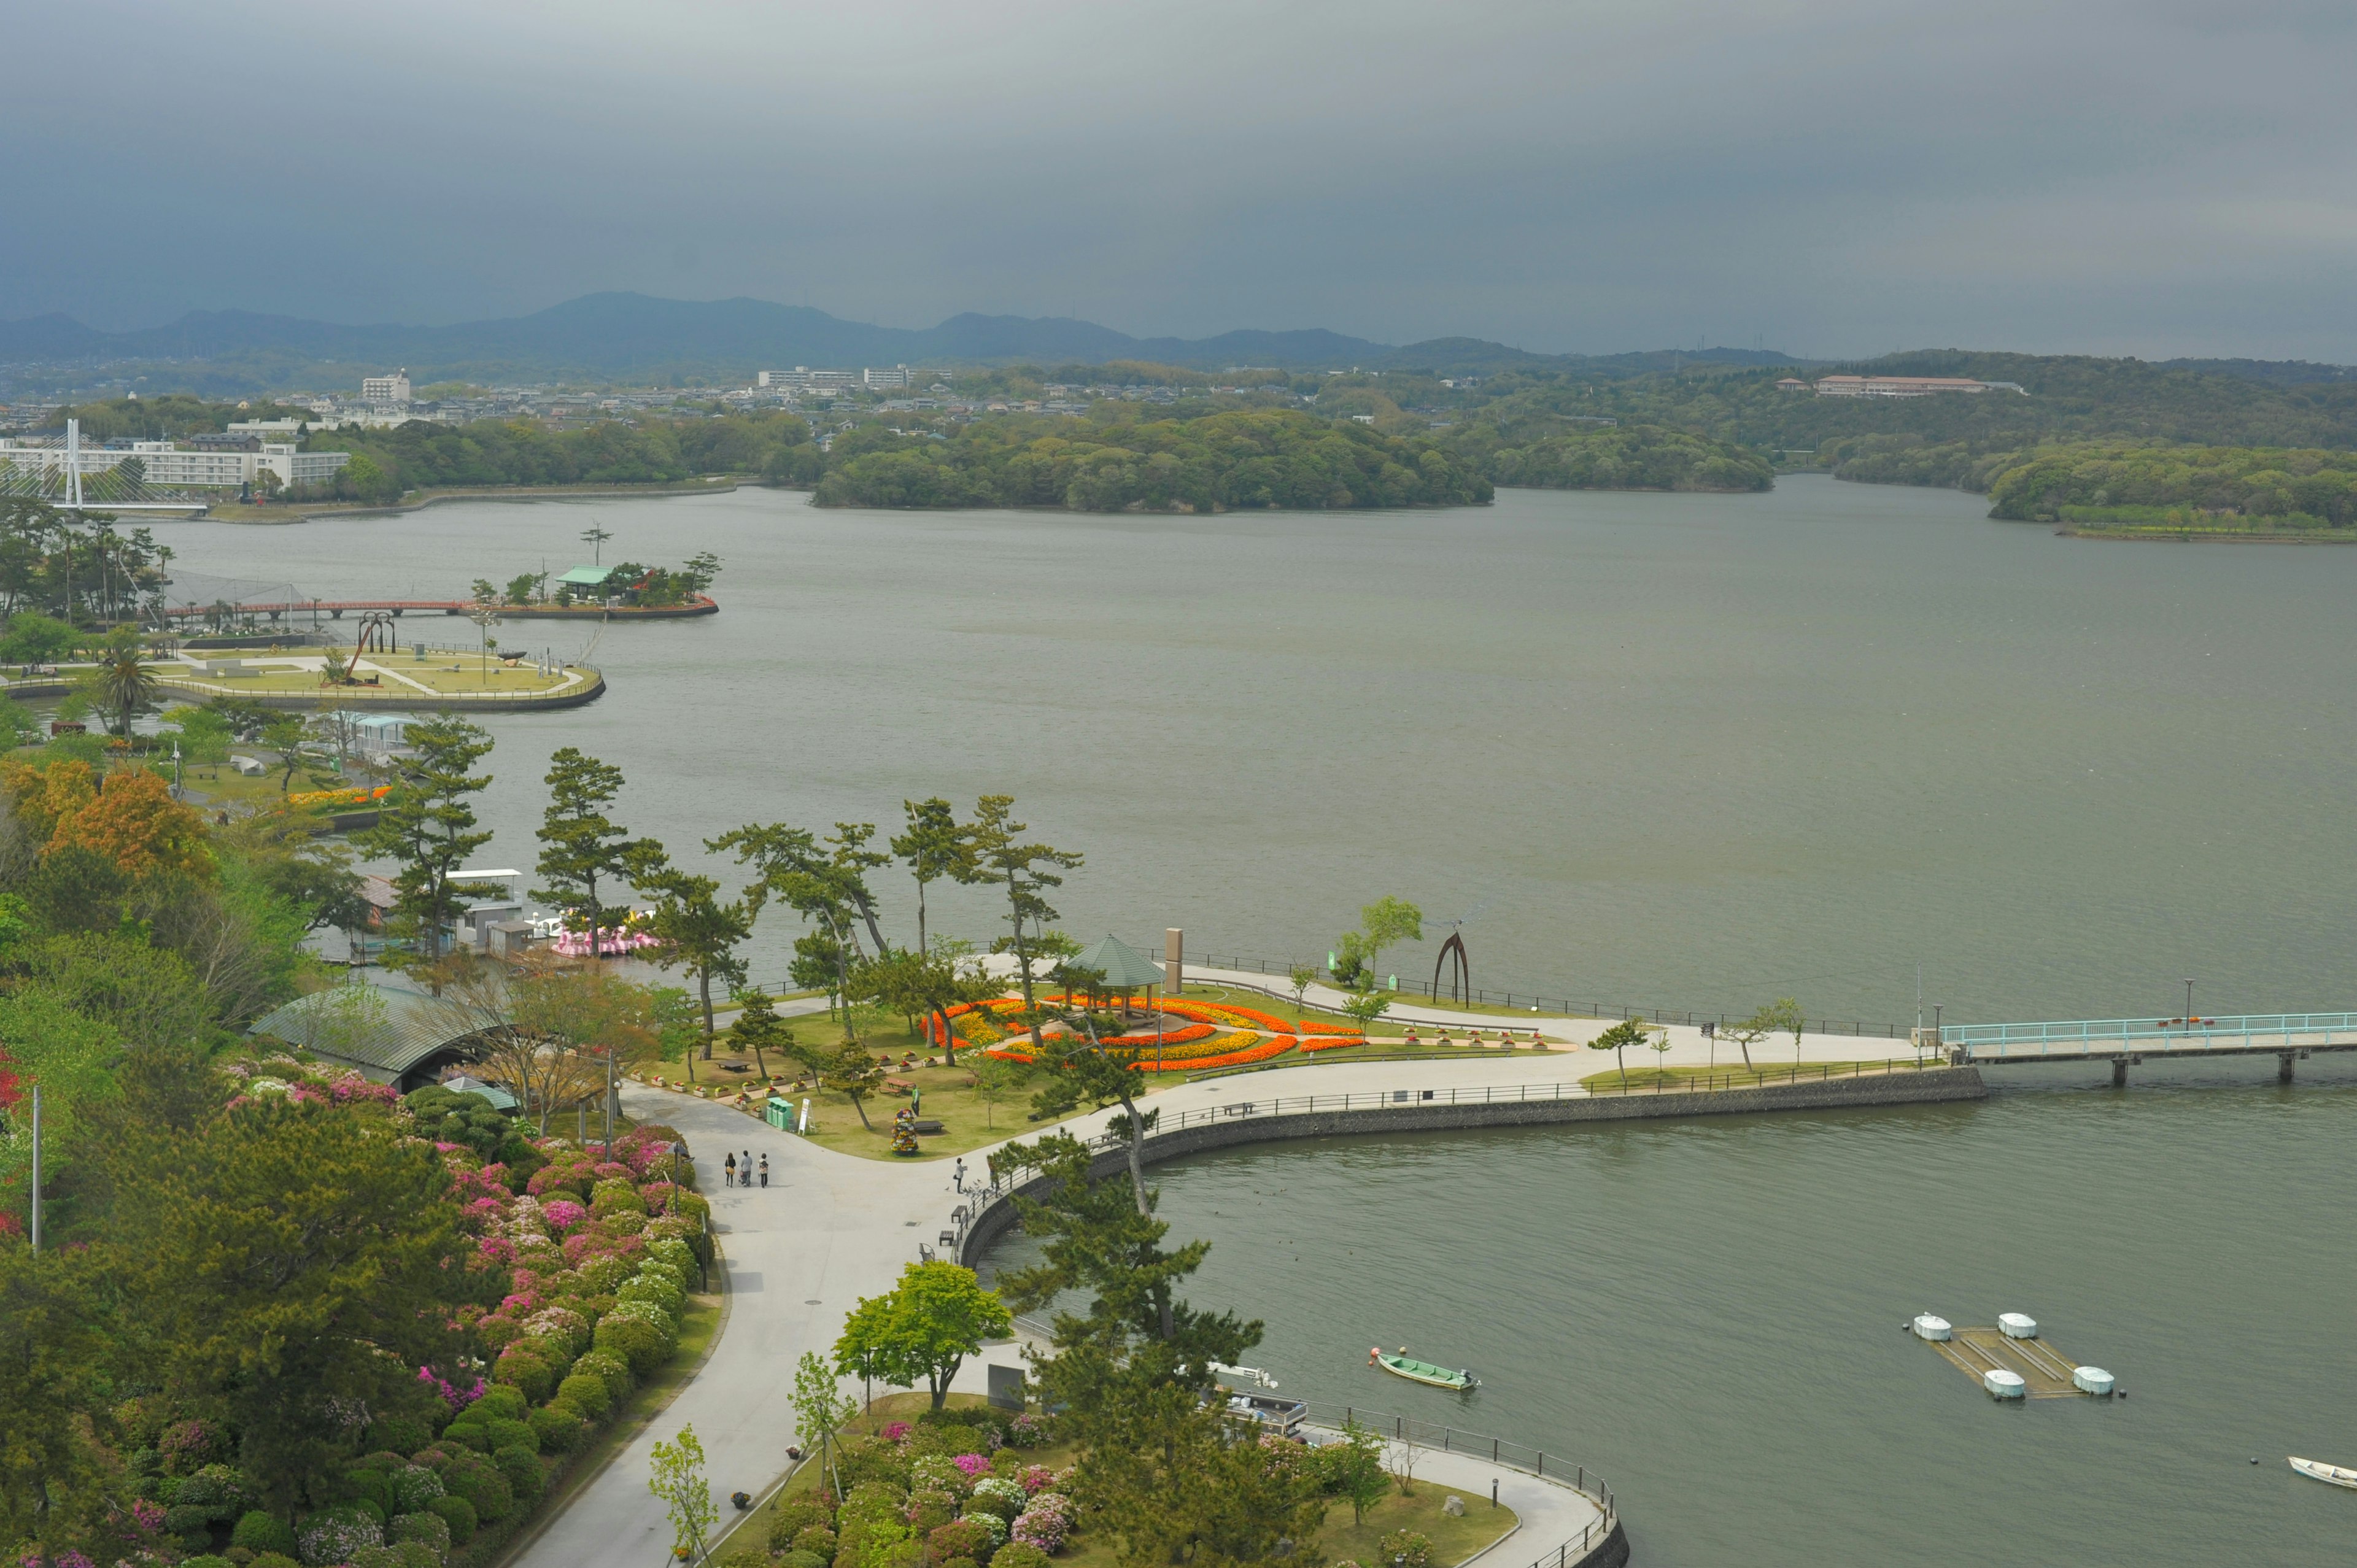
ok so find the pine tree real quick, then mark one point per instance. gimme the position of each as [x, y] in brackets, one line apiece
[585, 847]
[429, 825]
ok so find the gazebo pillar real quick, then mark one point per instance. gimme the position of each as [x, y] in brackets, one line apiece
[1174, 957]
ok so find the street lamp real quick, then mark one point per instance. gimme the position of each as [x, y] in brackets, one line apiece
[2189, 1002]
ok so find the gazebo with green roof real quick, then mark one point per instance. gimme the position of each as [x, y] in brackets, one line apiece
[1126, 971]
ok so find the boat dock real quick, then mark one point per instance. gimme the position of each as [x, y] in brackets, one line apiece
[2045, 1373]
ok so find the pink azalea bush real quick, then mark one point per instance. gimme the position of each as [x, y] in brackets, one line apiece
[1045, 1523]
[1036, 1478]
[971, 1465]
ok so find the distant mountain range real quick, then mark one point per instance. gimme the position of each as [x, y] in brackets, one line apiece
[635, 338]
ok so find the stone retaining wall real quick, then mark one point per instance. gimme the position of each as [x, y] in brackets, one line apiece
[1905, 1087]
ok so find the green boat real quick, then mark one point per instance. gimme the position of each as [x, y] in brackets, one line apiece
[1403, 1365]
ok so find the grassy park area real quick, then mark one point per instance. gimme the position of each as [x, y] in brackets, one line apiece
[1657, 1079]
[443, 674]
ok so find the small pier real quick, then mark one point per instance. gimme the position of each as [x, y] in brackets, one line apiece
[1979, 1351]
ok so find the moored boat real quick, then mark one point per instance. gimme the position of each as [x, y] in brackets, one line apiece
[2331, 1474]
[1400, 1364]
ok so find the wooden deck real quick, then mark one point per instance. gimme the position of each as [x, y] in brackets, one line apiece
[2046, 1370]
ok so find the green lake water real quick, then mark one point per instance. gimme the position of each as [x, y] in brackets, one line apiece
[1680, 751]
[1708, 1314]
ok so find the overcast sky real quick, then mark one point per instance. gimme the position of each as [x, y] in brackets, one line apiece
[1826, 177]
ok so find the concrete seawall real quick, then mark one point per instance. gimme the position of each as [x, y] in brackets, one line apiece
[1928, 1086]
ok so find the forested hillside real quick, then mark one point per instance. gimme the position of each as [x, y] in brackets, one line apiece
[1221, 461]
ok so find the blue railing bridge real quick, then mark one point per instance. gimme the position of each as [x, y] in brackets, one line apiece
[2124, 1042]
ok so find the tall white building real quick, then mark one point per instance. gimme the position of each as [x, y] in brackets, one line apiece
[392, 388]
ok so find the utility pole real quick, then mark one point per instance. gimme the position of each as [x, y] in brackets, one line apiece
[2189, 1003]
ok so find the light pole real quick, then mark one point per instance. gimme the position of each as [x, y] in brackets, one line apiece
[2189, 1002]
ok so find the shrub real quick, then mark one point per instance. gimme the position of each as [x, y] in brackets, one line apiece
[332, 1535]
[869, 1525]
[274, 1560]
[430, 1528]
[500, 1402]
[1019, 1554]
[365, 1484]
[932, 1473]
[635, 1340]
[206, 1560]
[960, 1538]
[653, 1289]
[377, 1557]
[188, 1447]
[746, 1557]
[186, 1519]
[929, 1510]
[263, 1534]
[526, 1366]
[475, 1435]
[418, 1554]
[559, 1426]
[817, 1540]
[1031, 1430]
[520, 1466]
[414, 1487]
[458, 1515]
[516, 1434]
[587, 1394]
[480, 1482]
[991, 1525]
[1044, 1524]
[616, 1196]
[788, 1520]
[872, 1461]
[401, 1433]
[798, 1558]
[610, 1368]
[960, 1562]
[997, 1495]
[1405, 1548]
[218, 1490]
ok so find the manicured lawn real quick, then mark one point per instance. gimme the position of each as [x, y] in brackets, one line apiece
[1645, 1079]
[1453, 1539]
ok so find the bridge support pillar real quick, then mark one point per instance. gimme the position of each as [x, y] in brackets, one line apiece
[2283, 1066]
[2119, 1072]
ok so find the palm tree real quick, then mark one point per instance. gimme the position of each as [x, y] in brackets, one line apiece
[125, 688]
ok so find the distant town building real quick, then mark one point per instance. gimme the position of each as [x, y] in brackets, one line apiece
[896, 377]
[220, 462]
[1900, 386]
[392, 389]
[1790, 384]
[801, 377]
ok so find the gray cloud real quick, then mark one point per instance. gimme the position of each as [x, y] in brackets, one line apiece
[1840, 176]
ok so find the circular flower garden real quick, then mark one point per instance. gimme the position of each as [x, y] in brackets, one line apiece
[1173, 1035]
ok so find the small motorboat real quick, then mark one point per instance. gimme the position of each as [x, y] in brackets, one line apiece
[1400, 1364]
[2331, 1474]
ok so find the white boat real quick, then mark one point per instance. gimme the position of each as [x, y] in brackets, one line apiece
[2332, 1475]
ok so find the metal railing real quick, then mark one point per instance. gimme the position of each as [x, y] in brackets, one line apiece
[1560, 1003]
[2080, 1036]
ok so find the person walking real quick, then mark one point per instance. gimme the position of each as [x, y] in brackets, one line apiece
[765, 1170]
[730, 1179]
[747, 1171]
[957, 1175]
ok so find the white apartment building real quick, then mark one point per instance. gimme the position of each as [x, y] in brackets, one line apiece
[1894, 386]
[393, 388]
[896, 377]
[803, 378]
[170, 467]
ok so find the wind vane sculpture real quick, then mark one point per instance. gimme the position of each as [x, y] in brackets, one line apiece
[1455, 948]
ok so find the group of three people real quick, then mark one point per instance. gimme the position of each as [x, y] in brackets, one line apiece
[741, 1175]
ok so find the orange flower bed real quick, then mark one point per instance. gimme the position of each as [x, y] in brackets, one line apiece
[1307, 1028]
[1332, 1042]
[1260, 1051]
[1170, 1036]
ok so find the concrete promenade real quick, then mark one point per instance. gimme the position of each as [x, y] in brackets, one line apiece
[831, 1228]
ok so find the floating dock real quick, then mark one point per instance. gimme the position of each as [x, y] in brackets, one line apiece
[2044, 1373]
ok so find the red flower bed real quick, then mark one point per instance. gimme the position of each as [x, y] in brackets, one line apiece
[1332, 1042]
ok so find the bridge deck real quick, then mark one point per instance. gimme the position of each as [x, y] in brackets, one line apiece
[2104, 1039]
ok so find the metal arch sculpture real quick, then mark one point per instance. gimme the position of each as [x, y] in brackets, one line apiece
[1463, 975]
[376, 635]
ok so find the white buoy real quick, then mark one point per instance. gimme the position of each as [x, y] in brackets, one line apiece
[2002, 1384]
[1927, 1327]
[2016, 1326]
[2092, 1380]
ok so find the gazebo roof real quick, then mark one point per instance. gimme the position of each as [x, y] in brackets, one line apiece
[1124, 967]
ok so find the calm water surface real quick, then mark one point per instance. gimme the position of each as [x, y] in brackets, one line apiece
[1688, 751]
[1708, 1313]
